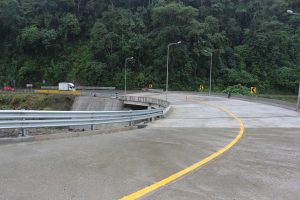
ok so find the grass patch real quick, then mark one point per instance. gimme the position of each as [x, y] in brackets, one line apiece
[290, 99]
[17, 101]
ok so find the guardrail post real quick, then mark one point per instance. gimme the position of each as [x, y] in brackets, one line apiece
[131, 120]
[150, 119]
[161, 114]
[23, 130]
[92, 125]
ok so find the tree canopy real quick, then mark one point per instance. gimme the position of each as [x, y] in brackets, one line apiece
[253, 43]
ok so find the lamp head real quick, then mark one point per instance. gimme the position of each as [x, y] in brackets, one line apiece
[178, 42]
[290, 11]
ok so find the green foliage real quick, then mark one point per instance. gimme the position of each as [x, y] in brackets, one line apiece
[94, 73]
[99, 39]
[287, 77]
[69, 26]
[254, 43]
[59, 71]
[29, 38]
[238, 89]
[48, 38]
[234, 77]
[29, 73]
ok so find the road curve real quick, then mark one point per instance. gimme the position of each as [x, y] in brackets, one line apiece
[264, 164]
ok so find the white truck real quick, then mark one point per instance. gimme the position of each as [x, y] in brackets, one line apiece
[66, 86]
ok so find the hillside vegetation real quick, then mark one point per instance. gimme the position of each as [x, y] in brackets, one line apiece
[253, 42]
[12, 101]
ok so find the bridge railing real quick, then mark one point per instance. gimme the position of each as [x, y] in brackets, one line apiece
[34, 119]
[159, 102]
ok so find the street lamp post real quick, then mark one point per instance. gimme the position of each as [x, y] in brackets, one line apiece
[210, 69]
[298, 102]
[126, 60]
[167, 78]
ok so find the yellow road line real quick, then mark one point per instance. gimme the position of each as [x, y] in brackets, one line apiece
[58, 92]
[189, 169]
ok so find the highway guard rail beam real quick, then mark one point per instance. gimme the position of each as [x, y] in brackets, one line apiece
[37, 119]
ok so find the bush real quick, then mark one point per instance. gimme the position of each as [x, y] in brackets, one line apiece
[238, 89]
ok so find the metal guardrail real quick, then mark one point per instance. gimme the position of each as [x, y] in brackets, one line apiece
[23, 119]
[98, 94]
[34, 119]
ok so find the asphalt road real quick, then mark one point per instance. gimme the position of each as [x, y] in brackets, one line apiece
[263, 164]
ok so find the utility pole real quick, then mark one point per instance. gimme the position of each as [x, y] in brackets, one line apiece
[167, 78]
[298, 102]
[210, 69]
[125, 74]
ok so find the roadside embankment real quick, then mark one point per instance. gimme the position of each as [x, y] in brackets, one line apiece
[266, 99]
[18, 101]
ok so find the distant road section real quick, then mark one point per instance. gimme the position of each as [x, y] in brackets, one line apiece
[263, 164]
[80, 88]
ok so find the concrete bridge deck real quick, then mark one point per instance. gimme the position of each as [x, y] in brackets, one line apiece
[263, 164]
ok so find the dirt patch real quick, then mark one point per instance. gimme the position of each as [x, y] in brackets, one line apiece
[4, 133]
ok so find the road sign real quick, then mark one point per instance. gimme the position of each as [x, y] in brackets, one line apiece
[253, 90]
[150, 86]
[201, 88]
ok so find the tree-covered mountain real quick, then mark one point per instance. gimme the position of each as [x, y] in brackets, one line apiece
[254, 42]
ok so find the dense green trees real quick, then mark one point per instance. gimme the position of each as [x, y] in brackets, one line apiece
[86, 41]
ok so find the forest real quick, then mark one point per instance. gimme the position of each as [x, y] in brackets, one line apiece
[252, 43]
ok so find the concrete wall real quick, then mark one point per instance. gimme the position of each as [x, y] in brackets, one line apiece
[86, 103]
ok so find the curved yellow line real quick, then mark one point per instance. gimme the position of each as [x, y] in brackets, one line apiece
[187, 170]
